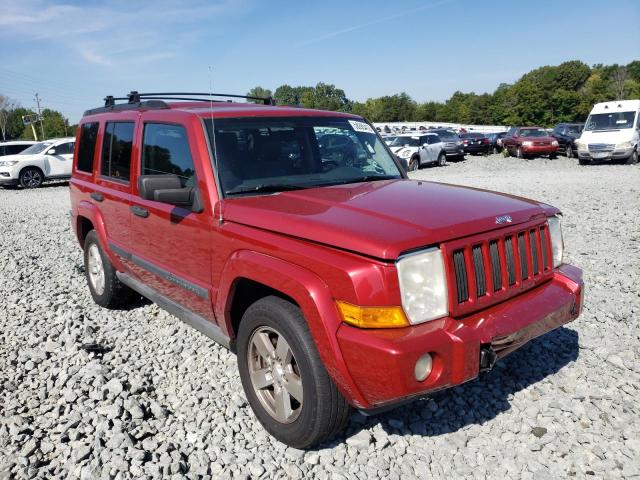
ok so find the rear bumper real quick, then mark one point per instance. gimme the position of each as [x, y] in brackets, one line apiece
[477, 148]
[381, 362]
[454, 152]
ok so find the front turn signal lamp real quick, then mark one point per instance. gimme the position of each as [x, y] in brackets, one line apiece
[372, 317]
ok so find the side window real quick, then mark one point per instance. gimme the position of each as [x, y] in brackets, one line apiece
[13, 149]
[88, 137]
[116, 150]
[165, 151]
[511, 132]
[64, 148]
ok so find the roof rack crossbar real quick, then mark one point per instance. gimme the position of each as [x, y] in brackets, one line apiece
[136, 96]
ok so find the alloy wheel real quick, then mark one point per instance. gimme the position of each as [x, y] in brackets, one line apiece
[31, 178]
[96, 269]
[274, 374]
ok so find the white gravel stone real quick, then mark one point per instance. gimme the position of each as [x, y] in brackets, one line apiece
[97, 394]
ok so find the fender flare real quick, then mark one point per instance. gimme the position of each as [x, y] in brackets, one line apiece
[90, 211]
[311, 294]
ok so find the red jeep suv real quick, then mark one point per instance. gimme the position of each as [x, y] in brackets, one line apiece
[338, 281]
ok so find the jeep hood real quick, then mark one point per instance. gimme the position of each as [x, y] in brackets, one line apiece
[381, 219]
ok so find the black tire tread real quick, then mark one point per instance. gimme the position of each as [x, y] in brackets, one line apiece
[332, 411]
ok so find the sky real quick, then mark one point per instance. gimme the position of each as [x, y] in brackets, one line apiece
[74, 53]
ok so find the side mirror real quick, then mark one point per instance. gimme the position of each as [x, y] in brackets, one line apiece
[52, 151]
[168, 189]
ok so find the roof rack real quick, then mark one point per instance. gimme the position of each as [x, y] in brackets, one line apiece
[155, 101]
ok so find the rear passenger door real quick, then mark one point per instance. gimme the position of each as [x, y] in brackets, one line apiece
[112, 189]
[172, 252]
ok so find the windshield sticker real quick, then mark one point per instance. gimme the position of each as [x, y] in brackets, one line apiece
[370, 148]
[621, 121]
[361, 126]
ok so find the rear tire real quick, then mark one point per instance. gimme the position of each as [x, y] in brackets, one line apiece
[31, 177]
[633, 159]
[106, 290]
[274, 375]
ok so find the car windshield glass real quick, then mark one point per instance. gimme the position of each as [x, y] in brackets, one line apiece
[447, 135]
[263, 154]
[405, 141]
[532, 132]
[610, 121]
[471, 135]
[36, 148]
[574, 130]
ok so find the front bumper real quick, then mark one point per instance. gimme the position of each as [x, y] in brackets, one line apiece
[8, 175]
[539, 150]
[605, 156]
[381, 362]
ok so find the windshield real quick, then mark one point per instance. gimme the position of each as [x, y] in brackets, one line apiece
[574, 130]
[405, 141]
[36, 148]
[610, 121]
[533, 132]
[266, 154]
[447, 134]
[471, 135]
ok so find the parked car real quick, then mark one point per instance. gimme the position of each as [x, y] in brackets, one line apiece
[453, 145]
[475, 142]
[495, 141]
[529, 142]
[388, 139]
[338, 149]
[351, 287]
[419, 150]
[48, 160]
[566, 135]
[14, 147]
[611, 132]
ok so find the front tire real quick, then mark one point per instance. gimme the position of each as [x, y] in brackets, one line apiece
[31, 177]
[283, 377]
[414, 164]
[583, 161]
[104, 286]
[633, 159]
[519, 153]
[442, 159]
[569, 151]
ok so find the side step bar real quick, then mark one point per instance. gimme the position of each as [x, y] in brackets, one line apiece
[187, 316]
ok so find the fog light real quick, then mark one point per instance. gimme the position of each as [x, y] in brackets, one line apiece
[423, 367]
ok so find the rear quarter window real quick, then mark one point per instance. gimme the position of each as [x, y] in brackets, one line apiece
[87, 146]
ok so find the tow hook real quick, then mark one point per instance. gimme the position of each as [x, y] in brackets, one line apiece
[488, 358]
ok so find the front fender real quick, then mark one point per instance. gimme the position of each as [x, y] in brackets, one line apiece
[312, 296]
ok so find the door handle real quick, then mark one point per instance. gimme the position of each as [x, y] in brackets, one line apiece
[97, 196]
[140, 211]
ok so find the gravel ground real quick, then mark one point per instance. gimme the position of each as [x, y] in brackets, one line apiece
[91, 393]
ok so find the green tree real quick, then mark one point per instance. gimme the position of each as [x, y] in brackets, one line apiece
[258, 92]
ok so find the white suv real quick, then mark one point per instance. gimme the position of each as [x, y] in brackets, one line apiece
[419, 150]
[48, 160]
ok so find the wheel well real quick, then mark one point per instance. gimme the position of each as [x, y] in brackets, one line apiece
[84, 226]
[34, 167]
[245, 293]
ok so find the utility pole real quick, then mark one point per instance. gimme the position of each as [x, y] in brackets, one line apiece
[40, 116]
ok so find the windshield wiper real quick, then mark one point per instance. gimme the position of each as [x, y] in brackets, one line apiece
[265, 188]
[367, 178]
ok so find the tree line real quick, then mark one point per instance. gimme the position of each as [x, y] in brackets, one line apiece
[544, 96]
[54, 123]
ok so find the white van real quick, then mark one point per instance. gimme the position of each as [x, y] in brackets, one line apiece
[611, 132]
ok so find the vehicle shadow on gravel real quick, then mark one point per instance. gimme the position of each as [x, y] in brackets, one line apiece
[483, 399]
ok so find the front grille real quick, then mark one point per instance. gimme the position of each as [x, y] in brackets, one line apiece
[499, 265]
[601, 147]
[542, 144]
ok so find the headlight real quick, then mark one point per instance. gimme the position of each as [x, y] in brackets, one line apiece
[527, 143]
[557, 245]
[8, 163]
[623, 146]
[405, 153]
[554, 143]
[423, 286]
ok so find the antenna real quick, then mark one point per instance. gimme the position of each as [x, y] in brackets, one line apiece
[214, 146]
